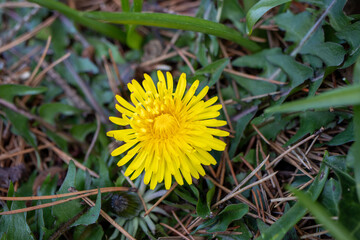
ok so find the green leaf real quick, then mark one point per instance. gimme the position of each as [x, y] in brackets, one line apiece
[355, 149]
[351, 34]
[176, 22]
[331, 53]
[240, 127]
[21, 127]
[311, 122]
[215, 69]
[258, 10]
[278, 230]
[104, 180]
[49, 111]
[233, 11]
[103, 28]
[80, 131]
[322, 215]
[92, 215]
[66, 211]
[257, 61]
[338, 19]
[339, 97]
[343, 137]
[9, 91]
[91, 232]
[330, 196]
[230, 213]
[296, 71]
[349, 204]
[202, 209]
[9, 224]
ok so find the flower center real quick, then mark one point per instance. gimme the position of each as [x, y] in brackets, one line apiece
[164, 125]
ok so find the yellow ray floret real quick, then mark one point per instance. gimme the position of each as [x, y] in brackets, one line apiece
[170, 133]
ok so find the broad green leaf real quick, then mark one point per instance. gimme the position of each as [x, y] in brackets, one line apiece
[296, 27]
[66, 211]
[21, 127]
[202, 209]
[351, 34]
[91, 232]
[49, 111]
[15, 226]
[330, 196]
[331, 53]
[338, 19]
[233, 11]
[80, 131]
[59, 38]
[104, 180]
[184, 194]
[339, 97]
[278, 230]
[257, 61]
[48, 187]
[82, 65]
[9, 91]
[258, 10]
[240, 127]
[322, 216]
[102, 48]
[215, 69]
[103, 28]
[296, 71]
[176, 22]
[349, 204]
[343, 137]
[311, 122]
[230, 213]
[92, 215]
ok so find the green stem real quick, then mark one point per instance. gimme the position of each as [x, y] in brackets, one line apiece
[176, 22]
[103, 28]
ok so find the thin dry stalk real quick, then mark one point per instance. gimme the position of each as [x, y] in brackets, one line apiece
[231, 194]
[22, 210]
[93, 141]
[57, 196]
[29, 35]
[276, 160]
[175, 231]
[66, 158]
[252, 77]
[39, 77]
[18, 5]
[161, 199]
[182, 225]
[110, 77]
[116, 69]
[29, 81]
[162, 58]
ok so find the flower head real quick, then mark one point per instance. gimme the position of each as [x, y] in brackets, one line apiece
[170, 133]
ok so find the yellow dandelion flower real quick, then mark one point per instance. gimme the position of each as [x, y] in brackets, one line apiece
[170, 133]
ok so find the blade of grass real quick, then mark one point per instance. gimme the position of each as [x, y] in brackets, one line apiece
[340, 97]
[356, 146]
[319, 212]
[175, 22]
[103, 28]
